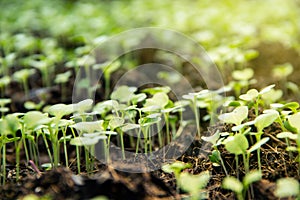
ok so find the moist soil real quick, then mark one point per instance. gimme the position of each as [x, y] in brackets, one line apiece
[65, 183]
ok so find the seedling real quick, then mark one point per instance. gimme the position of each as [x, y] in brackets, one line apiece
[175, 168]
[243, 78]
[115, 123]
[60, 110]
[238, 187]
[22, 77]
[62, 79]
[108, 68]
[287, 187]
[192, 97]
[261, 122]
[216, 155]
[44, 64]
[254, 97]
[194, 184]
[89, 129]
[294, 122]
[3, 108]
[4, 82]
[6, 128]
[281, 72]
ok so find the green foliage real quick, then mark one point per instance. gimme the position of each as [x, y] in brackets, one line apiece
[287, 187]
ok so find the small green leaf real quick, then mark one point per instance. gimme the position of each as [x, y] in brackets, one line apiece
[138, 98]
[252, 177]
[85, 141]
[128, 127]
[250, 95]
[155, 90]
[32, 119]
[265, 120]
[258, 144]
[159, 99]
[267, 89]
[193, 183]
[237, 144]
[175, 167]
[60, 110]
[116, 122]
[244, 74]
[212, 139]
[294, 120]
[89, 127]
[231, 183]
[83, 105]
[236, 116]
[287, 187]
[289, 135]
[123, 93]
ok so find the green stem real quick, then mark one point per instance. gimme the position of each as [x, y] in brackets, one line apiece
[78, 159]
[237, 166]
[18, 148]
[65, 147]
[4, 163]
[138, 142]
[197, 116]
[122, 145]
[48, 149]
[166, 115]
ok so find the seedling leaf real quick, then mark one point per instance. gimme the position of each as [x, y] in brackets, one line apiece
[231, 183]
[236, 116]
[237, 144]
[287, 187]
[265, 120]
[252, 177]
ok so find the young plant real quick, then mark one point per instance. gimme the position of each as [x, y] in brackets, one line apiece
[215, 157]
[88, 140]
[287, 187]
[4, 82]
[22, 77]
[108, 68]
[62, 79]
[3, 108]
[238, 187]
[281, 72]
[87, 131]
[242, 80]
[294, 122]
[253, 97]
[192, 97]
[115, 123]
[6, 128]
[194, 184]
[236, 117]
[176, 168]
[59, 111]
[261, 122]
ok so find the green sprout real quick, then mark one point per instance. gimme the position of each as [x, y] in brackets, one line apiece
[176, 168]
[287, 187]
[281, 72]
[216, 155]
[88, 136]
[194, 184]
[22, 77]
[62, 79]
[3, 108]
[4, 82]
[238, 187]
[108, 68]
